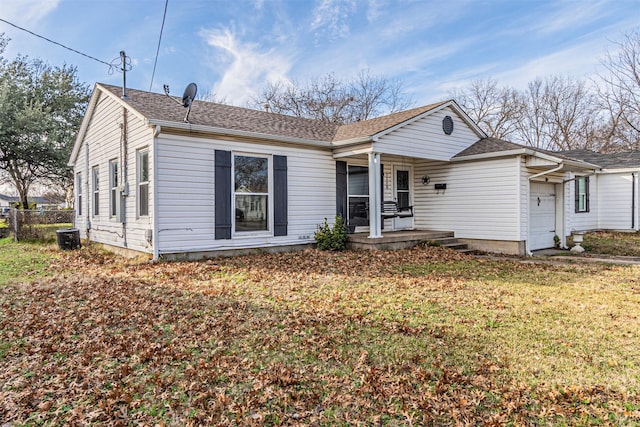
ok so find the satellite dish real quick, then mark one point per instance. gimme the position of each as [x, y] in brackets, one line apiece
[189, 94]
[187, 98]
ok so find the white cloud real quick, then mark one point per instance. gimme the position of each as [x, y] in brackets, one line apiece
[330, 18]
[27, 12]
[570, 15]
[244, 67]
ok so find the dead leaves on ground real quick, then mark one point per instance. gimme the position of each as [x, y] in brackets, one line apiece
[234, 342]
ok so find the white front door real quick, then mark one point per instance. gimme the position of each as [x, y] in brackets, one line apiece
[542, 215]
[403, 195]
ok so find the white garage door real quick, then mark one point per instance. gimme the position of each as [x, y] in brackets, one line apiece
[542, 215]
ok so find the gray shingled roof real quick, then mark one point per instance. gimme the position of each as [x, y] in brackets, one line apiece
[374, 126]
[625, 159]
[155, 106]
[495, 145]
[489, 145]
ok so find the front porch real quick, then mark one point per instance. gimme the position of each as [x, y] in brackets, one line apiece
[392, 240]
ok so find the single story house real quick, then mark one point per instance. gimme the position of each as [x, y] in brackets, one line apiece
[232, 179]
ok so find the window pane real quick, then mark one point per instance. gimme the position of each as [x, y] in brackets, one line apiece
[251, 212]
[403, 200]
[358, 180]
[144, 199]
[144, 166]
[251, 174]
[402, 179]
[359, 211]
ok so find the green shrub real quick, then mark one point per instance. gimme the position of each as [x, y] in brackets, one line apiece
[332, 238]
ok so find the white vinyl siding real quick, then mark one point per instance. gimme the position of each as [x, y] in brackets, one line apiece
[616, 194]
[481, 200]
[425, 139]
[104, 136]
[186, 186]
[581, 221]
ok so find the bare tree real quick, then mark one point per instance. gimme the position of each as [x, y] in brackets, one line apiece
[495, 109]
[621, 91]
[332, 100]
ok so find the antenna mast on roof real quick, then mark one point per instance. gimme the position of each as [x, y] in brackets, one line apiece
[123, 62]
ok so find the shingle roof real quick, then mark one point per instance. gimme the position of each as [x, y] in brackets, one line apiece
[489, 145]
[625, 159]
[495, 145]
[155, 106]
[374, 126]
[160, 107]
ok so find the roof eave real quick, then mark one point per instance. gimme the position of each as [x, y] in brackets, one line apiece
[166, 124]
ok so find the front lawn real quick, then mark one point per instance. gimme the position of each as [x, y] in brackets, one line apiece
[414, 337]
[612, 243]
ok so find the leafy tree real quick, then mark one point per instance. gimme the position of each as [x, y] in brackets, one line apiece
[41, 108]
[333, 100]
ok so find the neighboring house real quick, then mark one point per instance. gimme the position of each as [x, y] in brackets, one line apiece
[39, 202]
[233, 179]
[609, 198]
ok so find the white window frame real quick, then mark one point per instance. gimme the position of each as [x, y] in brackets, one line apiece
[269, 194]
[114, 165]
[142, 184]
[95, 190]
[79, 193]
[582, 198]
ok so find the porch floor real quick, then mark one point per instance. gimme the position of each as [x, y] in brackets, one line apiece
[392, 240]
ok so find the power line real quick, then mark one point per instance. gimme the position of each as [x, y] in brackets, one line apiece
[56, 43]
[164, 16]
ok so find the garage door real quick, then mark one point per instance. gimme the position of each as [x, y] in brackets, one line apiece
[542, 215]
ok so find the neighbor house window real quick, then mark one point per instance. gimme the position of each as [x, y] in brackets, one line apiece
[358, 195]
[95, 183]
[79, 193]
[113, 187]
[582, 194]
[143, 183]
[251, 193]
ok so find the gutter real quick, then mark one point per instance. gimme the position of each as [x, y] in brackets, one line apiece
[155, 233]
[237, 133]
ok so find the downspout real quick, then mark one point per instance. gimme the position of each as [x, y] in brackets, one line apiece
[633, 200]
[125, 180]
[155, 233]
[556, 169]
[87, 223]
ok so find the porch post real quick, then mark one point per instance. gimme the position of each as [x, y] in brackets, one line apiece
[375, 196]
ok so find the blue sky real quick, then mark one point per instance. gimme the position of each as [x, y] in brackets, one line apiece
[234, 47]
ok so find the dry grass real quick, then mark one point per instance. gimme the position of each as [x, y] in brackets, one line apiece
[414, 337]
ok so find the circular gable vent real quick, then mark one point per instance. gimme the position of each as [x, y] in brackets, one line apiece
[447, 125]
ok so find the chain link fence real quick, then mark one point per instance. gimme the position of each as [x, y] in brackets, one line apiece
[38, 224]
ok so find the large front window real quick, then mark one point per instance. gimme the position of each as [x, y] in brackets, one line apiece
[251, 193]
[358, 195]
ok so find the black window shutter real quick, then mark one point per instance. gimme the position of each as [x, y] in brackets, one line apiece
[577, 199]
[280, 204]
[586, 185]
[223, 194]
[341, 189]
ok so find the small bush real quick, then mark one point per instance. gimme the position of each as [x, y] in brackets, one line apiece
[332, 238]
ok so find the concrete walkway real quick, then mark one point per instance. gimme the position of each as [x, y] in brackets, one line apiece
[559, 255]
